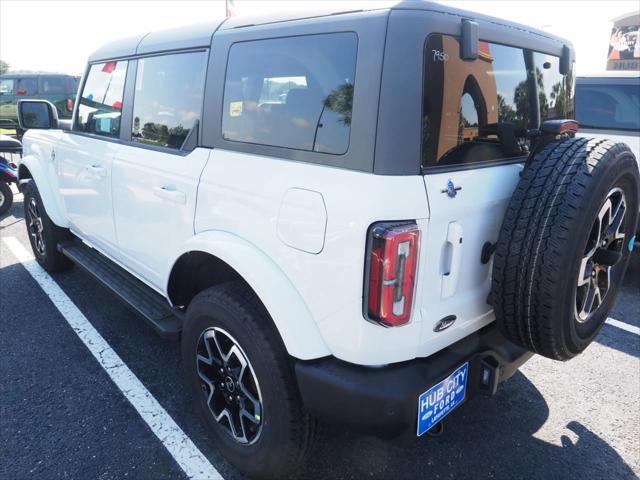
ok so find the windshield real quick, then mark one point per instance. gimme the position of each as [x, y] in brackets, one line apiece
[608, 106]
[480, 111]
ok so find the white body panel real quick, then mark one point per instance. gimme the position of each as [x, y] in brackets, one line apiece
[154, 201]
[296, 233]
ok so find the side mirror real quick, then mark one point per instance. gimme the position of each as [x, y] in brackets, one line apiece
[470, 39]
[37, 114]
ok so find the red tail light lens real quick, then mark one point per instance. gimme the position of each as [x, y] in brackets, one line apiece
[69, 105]
[392, 260]
[21, 91]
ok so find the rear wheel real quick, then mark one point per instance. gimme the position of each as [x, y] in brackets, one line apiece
[44, 235]
[6, 197]
[243, 382]
[565, 244]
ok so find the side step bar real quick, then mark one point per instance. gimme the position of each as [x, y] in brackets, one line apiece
[144, 300]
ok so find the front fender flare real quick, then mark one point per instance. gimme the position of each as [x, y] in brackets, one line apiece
[282, 300]
[40, 175]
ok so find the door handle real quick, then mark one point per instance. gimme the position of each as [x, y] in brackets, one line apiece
[450, 278]
[171, 194]
[97, 170]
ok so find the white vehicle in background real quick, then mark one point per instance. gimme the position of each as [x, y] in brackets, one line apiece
[608, 106]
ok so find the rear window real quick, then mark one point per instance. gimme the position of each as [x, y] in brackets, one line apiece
[6, 85]
[608, 106]
[478, 111]
[294, 92]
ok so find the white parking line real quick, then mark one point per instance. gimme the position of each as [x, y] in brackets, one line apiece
[194, 464]
[623, 326]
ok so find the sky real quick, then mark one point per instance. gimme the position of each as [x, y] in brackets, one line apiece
[58, 36]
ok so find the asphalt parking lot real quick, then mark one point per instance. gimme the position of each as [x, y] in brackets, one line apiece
[62, 416]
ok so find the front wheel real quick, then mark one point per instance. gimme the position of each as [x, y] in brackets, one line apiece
[243, 382]
[6, 197]
[44, 235]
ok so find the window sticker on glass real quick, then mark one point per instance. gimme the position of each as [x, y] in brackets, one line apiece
[235, 109]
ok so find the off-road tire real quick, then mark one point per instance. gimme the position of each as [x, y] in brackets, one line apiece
[50, 259]
[288, 431]
[543, 240]
[6, 197]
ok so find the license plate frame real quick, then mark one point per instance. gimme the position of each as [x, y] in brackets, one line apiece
[442, 398]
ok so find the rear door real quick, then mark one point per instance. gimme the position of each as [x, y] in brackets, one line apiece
[475, 118]
[156, 172]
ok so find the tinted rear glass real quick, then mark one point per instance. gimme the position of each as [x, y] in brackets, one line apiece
[294, 92]
[608, 106]
[479, 111]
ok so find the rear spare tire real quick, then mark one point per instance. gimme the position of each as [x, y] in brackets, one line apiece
[565, 244]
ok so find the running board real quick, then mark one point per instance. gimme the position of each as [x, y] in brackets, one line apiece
[147, 302]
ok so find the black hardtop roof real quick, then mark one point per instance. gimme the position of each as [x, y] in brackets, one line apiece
[200, 35]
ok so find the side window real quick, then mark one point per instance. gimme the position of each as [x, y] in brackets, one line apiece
[294, 92]
[100, 106]
[168, 98]
[480, 110]
[6, 85]
[27, 86]
[53, 85]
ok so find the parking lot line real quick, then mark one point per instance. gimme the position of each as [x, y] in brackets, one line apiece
[194, 464]
[623, 326]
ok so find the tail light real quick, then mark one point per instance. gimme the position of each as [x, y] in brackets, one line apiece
[21, 91]
[69, 105]
[392, 259]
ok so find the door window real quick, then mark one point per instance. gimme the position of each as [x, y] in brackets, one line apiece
[54, 85]
[292, 92]
[6, 85]
[168, 98]
[480, 110]
[26, 86]
[100, 106]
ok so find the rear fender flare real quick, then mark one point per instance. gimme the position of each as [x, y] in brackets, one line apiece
[282, 300]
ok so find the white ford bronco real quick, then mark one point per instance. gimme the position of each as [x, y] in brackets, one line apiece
[363, 217]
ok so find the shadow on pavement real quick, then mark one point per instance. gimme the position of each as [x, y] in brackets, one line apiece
[487, 438]
[627, 309]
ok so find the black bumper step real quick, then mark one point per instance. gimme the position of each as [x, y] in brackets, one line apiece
[144, 300]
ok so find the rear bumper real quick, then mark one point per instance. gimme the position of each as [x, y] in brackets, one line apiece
[384, 400]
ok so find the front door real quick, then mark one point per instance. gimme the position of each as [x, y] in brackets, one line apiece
[85, 159]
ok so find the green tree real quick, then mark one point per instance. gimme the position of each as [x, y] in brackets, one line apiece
[340, 101]
[4, 67]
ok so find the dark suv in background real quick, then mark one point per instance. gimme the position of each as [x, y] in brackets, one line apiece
[57, 88]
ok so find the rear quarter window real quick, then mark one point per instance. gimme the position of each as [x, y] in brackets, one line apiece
[294, 92]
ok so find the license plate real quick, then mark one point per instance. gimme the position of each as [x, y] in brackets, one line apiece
[440, 400]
